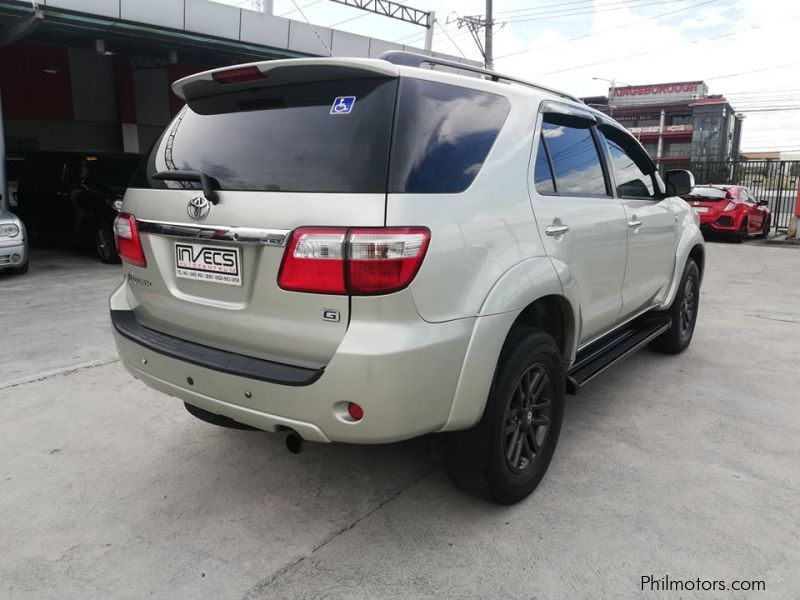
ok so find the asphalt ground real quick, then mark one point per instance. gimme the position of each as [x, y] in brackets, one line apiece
[685, 466]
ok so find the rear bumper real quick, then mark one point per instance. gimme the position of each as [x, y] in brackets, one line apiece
[726, 223]
[402, 370]
[126, 325]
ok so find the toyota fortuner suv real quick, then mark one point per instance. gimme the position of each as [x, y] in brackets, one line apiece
[366, 251]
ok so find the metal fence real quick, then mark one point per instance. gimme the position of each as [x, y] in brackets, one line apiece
[775, 181]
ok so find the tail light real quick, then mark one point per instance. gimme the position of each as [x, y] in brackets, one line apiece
[314, 262]
[356, 261]
[129, 245]
[237, 75]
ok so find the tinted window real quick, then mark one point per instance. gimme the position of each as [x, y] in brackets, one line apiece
[542, 175]
[575, 160]
[442, 136]
[112, 171]
[630, 179]
[284, 138]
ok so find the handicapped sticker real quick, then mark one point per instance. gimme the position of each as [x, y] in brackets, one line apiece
[343, 105]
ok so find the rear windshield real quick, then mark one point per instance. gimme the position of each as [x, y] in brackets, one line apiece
[334, 136]
[294, 138]
[705, 192]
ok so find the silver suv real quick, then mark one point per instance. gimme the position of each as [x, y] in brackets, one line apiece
[366, 251]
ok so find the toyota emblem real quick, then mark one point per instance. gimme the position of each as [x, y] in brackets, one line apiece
[198, 208]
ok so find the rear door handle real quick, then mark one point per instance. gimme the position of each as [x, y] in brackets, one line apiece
[553, 230]
[634, 224]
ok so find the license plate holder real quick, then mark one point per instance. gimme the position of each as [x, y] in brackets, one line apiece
[209, 263]
[700, 209]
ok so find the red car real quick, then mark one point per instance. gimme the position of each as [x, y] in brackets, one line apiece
[730, 210]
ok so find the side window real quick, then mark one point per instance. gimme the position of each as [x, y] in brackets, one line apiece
[543, 175]
[443, 134]
[632, 181]
[576, 163]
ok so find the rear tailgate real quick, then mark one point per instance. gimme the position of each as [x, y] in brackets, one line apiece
[284, 156]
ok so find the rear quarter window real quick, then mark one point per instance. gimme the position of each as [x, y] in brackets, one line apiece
[443, 134]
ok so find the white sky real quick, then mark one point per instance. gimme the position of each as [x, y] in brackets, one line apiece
[645, 45]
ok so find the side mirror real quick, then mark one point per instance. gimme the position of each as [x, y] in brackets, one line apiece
[679, 182]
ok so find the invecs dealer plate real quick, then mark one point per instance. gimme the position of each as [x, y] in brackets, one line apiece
[215, 264]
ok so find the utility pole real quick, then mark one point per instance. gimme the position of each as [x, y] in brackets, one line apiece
[489, 25]
[474, 24]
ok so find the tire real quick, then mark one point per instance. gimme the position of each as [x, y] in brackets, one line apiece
[504, 457]
[765, 230]
[741, 235]
[678, 337]
[105, 246]
[218, 420]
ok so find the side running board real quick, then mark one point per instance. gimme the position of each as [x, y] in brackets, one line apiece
[597, 357]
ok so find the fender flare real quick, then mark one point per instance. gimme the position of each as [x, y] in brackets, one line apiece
[690, 238]
[520, 286]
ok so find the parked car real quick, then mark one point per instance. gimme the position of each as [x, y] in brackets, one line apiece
[72, 197]
[730, 210]
[13, 242]
[365, 251]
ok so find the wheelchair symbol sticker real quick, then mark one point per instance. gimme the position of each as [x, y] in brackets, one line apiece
[343, 105]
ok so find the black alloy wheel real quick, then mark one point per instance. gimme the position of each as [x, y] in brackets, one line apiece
[528, 417]
[688, 308]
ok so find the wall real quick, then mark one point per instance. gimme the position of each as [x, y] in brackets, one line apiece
[58, 98]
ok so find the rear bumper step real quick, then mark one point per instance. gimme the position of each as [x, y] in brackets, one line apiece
[603, 353]
[127, 326]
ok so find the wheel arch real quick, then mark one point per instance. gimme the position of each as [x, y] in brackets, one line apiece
[690, 245]
[530, 293]
[554, 315]
[698, 255]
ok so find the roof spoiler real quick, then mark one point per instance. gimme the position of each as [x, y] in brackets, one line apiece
[278, 72]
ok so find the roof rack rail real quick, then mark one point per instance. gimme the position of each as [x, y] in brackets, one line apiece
[414, 59]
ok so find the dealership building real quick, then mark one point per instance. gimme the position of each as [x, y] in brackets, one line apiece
[676, 122]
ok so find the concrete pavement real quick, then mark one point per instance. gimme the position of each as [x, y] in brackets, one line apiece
[686, 466]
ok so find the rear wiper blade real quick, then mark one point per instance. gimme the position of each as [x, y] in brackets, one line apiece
[209, 183]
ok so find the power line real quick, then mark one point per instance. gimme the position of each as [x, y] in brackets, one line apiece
[314, 29]
[662, 49]
[557, 14]
[516, 10]
[754, 71]
[451, 39]
[588, 35]
[300, 8]
[565, 14]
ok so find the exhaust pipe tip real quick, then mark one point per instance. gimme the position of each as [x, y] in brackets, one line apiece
[294, 443]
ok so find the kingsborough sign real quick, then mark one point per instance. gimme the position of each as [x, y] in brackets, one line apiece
[684, 91]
